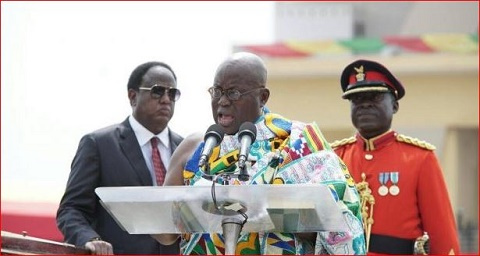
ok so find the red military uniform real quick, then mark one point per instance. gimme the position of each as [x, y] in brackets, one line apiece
[409, 191]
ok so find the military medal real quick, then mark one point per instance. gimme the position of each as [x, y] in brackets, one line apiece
[383, 177]
[394, 189]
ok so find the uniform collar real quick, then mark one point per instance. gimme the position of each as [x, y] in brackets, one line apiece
[376, 142]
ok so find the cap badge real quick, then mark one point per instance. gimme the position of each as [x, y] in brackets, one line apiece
[360, 76]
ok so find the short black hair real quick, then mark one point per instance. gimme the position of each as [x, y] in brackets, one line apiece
[137, 74]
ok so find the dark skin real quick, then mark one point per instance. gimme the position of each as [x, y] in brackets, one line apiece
[244, 72]
[372, 112]
[153, 114]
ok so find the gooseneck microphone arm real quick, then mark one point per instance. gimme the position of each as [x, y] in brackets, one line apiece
[246, 136]
[213, 137]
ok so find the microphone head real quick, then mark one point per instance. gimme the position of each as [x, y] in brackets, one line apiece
[248, 128]
[215, 131]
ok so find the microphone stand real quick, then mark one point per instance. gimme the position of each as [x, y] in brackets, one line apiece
[243, 175]
[231, 226]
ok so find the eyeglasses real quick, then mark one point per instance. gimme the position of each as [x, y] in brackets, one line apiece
[369, 96]
[232, 94]
[157, 91]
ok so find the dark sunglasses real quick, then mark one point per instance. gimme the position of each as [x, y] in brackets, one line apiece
[157, 91]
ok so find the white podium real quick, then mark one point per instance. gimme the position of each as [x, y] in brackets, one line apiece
[191, 209]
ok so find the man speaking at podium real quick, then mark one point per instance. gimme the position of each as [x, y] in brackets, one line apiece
[284, 152]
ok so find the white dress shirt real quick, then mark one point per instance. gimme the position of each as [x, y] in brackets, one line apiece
[143, 137]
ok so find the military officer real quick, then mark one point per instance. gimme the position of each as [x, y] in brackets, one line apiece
[405, 199]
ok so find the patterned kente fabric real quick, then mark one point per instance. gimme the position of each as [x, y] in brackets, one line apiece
[287, 152]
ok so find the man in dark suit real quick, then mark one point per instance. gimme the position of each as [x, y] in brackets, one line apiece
[135, 152]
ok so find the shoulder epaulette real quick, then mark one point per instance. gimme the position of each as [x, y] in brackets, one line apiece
[342, 142]
[415, 141]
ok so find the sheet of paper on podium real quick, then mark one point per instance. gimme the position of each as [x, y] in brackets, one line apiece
[191, 209]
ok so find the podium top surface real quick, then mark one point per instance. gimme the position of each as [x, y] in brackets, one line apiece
[191, 209]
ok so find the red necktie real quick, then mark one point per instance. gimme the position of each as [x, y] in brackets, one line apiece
[158, 166]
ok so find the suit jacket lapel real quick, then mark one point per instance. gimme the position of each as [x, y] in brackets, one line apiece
[173, 142]
[132, 151]
[175, 139]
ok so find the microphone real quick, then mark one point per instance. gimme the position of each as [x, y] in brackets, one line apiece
[246, 136]
[213, 137]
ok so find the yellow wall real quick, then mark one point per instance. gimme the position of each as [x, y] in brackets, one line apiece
[439, 91]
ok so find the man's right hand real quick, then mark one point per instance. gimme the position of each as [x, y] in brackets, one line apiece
[99, 247]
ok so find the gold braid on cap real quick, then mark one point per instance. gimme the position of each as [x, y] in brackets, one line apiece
[367, 202]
